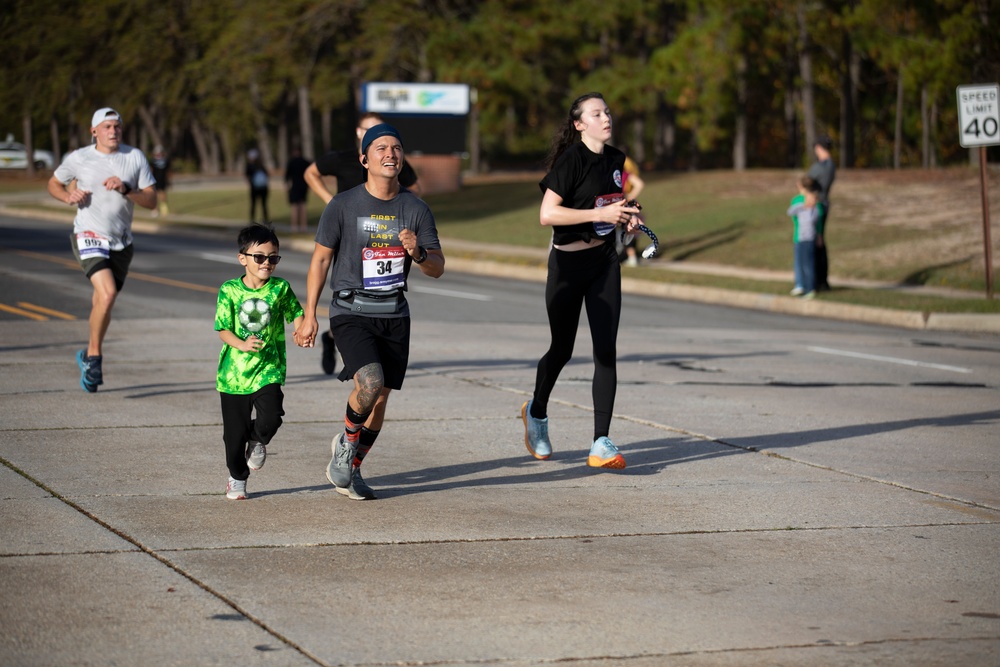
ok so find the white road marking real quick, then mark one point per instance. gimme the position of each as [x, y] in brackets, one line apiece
[447, 292]
[217, 257]
[891, 360]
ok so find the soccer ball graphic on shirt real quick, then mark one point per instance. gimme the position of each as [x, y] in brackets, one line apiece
[255, 315]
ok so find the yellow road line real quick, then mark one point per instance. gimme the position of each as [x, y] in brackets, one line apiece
[49, 258]
[45, 311]
[134, 275]
[321, 312]
[23, 313]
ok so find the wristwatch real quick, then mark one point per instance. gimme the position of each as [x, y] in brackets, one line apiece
[128, 189]
[423, 255]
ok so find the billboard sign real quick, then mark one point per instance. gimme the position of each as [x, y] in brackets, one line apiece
[450, 99]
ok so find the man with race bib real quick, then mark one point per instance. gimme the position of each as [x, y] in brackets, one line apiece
[372, 234]
[111, 177]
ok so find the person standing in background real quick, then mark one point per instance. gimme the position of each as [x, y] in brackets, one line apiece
[259, 181]
[298, 189]
[823, 172]
[633, 187]
[161, 172]
[807, 230]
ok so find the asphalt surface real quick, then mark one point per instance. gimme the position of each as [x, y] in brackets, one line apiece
[752, 526]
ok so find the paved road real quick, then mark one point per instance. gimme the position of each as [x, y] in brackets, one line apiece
[799, 491]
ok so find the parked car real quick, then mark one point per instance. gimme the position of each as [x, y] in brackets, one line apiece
[14, 156]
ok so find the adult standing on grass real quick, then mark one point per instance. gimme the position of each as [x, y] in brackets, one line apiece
[348, 172]
[584, 203]
[372, 235]
[161, 172]
[259, 181]
[298, 190]
[823, 172]
[111, 177]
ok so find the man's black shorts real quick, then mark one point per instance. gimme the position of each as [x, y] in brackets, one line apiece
[118, 262]
[365, 340]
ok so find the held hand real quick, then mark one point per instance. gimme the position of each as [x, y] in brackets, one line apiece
[305, 335]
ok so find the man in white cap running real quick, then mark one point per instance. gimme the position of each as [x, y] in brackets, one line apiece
[111, 178]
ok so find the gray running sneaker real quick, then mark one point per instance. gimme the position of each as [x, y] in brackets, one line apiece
[338, 471]
[536, 434]
[256, 455]
[359, 489]
[236, 489]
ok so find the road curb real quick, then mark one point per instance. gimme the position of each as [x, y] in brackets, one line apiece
[786, 305]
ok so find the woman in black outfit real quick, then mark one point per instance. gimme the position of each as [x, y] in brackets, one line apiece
[584, 205]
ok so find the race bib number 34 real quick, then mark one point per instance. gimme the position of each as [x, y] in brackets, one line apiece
[383, 267]
[92, 246]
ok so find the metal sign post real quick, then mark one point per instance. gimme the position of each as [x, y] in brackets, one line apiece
[979, 125]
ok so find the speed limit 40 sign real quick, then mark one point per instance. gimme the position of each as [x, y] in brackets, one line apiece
[979, 115]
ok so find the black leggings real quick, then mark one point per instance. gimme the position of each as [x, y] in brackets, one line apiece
[591, 277]
[238, 428]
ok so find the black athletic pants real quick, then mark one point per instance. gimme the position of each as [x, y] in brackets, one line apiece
[238, 428]
[591, 277]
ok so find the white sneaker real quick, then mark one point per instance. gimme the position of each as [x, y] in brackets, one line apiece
[797, 291]
[256, 455]
[236, 489]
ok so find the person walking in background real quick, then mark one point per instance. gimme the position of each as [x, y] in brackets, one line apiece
[250, 316]
[111, 177]
[348, 172]
[161, 172]
[584, 203]
[259, 181]
[634, 185]
[372, 234]
[298, 189]
[807, 232]
[823, 171]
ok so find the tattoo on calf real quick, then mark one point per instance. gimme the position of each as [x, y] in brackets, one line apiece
[370, 383]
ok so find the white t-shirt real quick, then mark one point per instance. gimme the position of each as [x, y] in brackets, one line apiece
[107, 213]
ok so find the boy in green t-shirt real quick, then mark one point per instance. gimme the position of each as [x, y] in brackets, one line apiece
[250, 317]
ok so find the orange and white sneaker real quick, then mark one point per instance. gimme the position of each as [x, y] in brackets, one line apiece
[604, 454]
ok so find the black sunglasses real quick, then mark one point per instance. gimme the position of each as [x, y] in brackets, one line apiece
[260, 259]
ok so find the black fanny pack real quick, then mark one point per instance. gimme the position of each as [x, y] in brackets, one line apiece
[369, 301]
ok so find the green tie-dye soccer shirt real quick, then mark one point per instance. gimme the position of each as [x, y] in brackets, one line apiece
[262, 312]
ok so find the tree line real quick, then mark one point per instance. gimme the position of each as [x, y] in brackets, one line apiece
[692, 83]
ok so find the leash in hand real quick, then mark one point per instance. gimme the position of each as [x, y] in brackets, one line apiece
[651, 251]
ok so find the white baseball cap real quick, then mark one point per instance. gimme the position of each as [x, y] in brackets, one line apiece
[101, 115]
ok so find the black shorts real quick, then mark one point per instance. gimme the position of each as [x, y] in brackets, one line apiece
[365, 340]
[118, 262]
